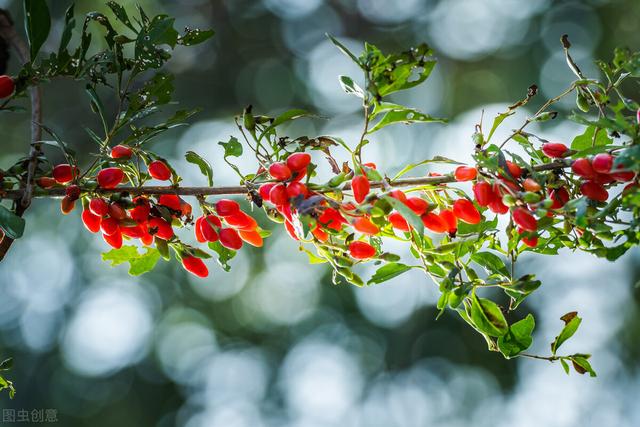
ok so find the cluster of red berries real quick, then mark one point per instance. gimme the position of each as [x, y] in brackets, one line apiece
[238, 226]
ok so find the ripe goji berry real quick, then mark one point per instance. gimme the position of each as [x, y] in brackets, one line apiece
[117, 212]
[114, 240]
[265, 189]
[296, 189]
[195, 266]
[252, 237]
[72, 192]
[602, 163]
[46, 182]
[582, 167]
[170, 201]
[91, 221]
[225, 207]
[555, 149]
[67, 204]
[449, 219]
[208, 227]
[496, 206]
[523, 218]
[110, 177]
[594, 191]
[417, 204]
[161, 228]
[64, 173]
[135, 232]
[99, 207]
[360, 187]
[361, 250]
[298, 161]
[560, 197]
[109, 226]
[241, 220]
[185, 208]
[121, 152]
[278, 195]
[365, 226]
[159, 170]
[140, 212]
[399, 195]
[7, 86]
[532, 185]
[465, 173]
[298, 175]
[531, 240]
[197, 230]
[230, 239]
[279, 171]
[624, 176]
[146, 239]
[332, 218]
[398, 222]
[465, 211]
[514, 169]
[320, 234]
[433, 222]
[291, 230]
[483, 192]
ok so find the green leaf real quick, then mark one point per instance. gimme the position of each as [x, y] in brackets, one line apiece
[565, 366]
[344, 50]
[388, 271]
[138, 263]
[487, 317]
[404, 115]
[490, 262]
[224, 255]
[205, 166]
[414, 220]
[518, 338]
[11, 224]
[572, 322]
[232, 148]
[497, 121]
[193, 37]
[349, 86]
[585, 141]
[436, 159]
[582, 365]
[69, 25]
[37, 22]
[121, 14]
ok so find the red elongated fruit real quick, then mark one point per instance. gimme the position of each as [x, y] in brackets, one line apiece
[603, 178]
[523, 218]
[434, 223]
[398, 222]
[159, 170]
[252, 237]
[582, 167]
[230, 239]
[195, 266]
[279, 171]
[170, 201]
[117, 212]
[72, 192]
[483, 192]
[99, 207]
[623, 176]
[365, 226]
[185, 208]
[514, 169]
[121, 152]
[560, 197]
[278, 195]
[296, 189]
[67, 204]
[208, 227]
[114, 240]
[265, 189]
[594, 191]
[496, 206]
[602, 163]
[360, 187]
[348, 206]
[109, 226]
[91, 221]
[531, 240]
[399, 195]
[465, 173]
[46, 182]
[110, 177]
[298, 175]
[7, 86]
[146, 239]
[449, 219]
[226, 207]
[465, 211]
[331, 218]
[417, 205]
[298, 161]
[320, 234]
[530, 184]
[555, 149]
[140, 212]
[160, 228]
[197, 230]
[242, 221]
[361, 250]
[135, 232]
[64, 173]
[291, 230]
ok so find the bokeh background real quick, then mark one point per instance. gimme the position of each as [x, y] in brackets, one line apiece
[273, 342]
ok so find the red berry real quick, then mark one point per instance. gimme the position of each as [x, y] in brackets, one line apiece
[114, 240]
[230, 239]
[523, 218]
[241, 221]
[46, 182]
[555, 149]
[225, 207]
[398, 222]
[483, 192]
[514, 169]
[121, 152]
[594, 191]
[560, 197]
[449, 219]
[159, 170]
[91, 221]
[320, 234]
[99, 207]
[602, 163]
[360, 187]
[466, 211]
[110, 177]
[135, 232]
[208, 227]
[298, 175]
[532, 185]
[170, 201]
[399, 195]
[496, 206]
[67, 204]
[531, 241]
[160, 228]
[434, 223]
[298, 161]
[361, 250]
[465, 173]
[417, 205]
[197, 230]
[280, 171]
[195, 266]
[278, 195]
[117, 212]
[332, 218]
[582, 167]
[140, 212]
[252, 237]
[64, 173]
[109, 226]
[72, 192]
[291, 230]
[265, 189]
[7, 86]
[623, 176]
[296, 189]
[365, 226]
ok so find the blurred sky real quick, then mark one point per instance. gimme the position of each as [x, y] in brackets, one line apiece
[273, 343]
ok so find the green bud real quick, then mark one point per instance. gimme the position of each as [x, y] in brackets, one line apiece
[389, 257]
[343, 261]
[581, 102]
[547, 203]
[541, 212]
[530, 197]
[509, 200]
[547, 115]
[337, 180]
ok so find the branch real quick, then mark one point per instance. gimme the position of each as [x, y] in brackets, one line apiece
[237, 190]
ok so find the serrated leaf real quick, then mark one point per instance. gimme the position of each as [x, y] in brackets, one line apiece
[11, 224]
[490, 262]
[518, 338]
[205, 166]
[487, 317]
[387, 272]
[567, 332]
[37, 22]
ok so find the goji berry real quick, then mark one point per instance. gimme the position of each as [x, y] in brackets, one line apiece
[449, 219]
[296, 189]
[64, 173]
[602, 163]
[279, 171]
[72, 192]
[265, 189]
[109, 226]
[241, 221]
[361, 250]
[230, 239]
[67, 204]
[161, 228]
[365, 226]
[360, 187]
[582, 167]
[496, 206]
[398, 195]
[465, 211]
[110, 177]
[121, 152]
[594, 191]
[208, 227]
[117, 212]
[433, 222]
[555, 149]
[170, 201]
[99, 207]
[532, 185]
[523, 218]
[46, 182]
[465, 173]
[7, 86]
[417, 204]
[195, 266]
[483, 192]
[225, 207]
[298, 161]
[159, 170]
[278, 195]
[91, 221]
[252, 237]
[514, 169]
[197, 230]
[560, 197]
[140, 212]
[332, 218]
[114, 240]
[398, 222]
